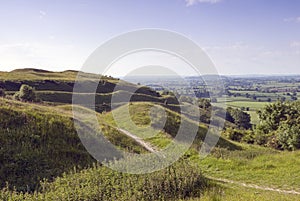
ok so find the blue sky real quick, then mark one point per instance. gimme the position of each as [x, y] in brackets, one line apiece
[240, 36]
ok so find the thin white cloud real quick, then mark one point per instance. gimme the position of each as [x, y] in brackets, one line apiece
[292, 19]
[42, 14]
[243, 58]
[295, 44]
[234, 46]
[193, 2]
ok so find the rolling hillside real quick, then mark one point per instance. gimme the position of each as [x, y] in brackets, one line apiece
[42, 157]
[57, 87]
[40, 142]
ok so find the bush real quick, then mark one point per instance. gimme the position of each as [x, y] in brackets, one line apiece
[279, 126]
[16, 96]
[239, 135]
[288, 137]
[27, 93]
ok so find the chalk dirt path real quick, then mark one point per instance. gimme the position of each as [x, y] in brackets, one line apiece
[151, 149]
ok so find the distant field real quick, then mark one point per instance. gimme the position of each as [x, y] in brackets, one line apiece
[263, 96]
[238, 103]
[251, 105]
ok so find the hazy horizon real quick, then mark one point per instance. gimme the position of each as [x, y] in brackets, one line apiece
[151, 75]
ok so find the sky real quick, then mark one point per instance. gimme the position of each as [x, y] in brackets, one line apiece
[239, 36]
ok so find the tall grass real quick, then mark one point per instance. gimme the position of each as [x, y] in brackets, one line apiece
[179, 181]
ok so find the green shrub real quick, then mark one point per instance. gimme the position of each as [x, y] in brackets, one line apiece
[279, 126]
[239, 135]
[16, 96]
[288, 137]
[27, 93]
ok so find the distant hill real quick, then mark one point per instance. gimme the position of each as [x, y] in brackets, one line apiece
[57, 87]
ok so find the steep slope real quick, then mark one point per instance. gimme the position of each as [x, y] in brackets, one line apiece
[140, 115]
[40, 142]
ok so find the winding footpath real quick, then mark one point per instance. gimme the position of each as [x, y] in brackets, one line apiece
[139, 140]
[254, 186]
[151, 149]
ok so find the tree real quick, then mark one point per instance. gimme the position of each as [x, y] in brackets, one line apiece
[229, 116]
[204, 103]
[238, 117]
[288, 137]
[283, 99]
[279, 125]
[294, 98]
[273, 114]
[242, 119]
[26, 93]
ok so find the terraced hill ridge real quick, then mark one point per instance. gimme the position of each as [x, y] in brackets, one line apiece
[57, 87]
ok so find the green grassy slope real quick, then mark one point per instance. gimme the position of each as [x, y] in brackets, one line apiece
[140, 116]
[255, 165]
[40, 141]
[234, 161]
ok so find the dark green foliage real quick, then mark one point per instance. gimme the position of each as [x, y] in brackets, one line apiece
[238, 135]
[2, 92]
[229, 116]
[16, 96]
[204, 103]
[26, 93]
[180, 181]
[288, 136]
[279, 126]
[100, 98]
[238, 117]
